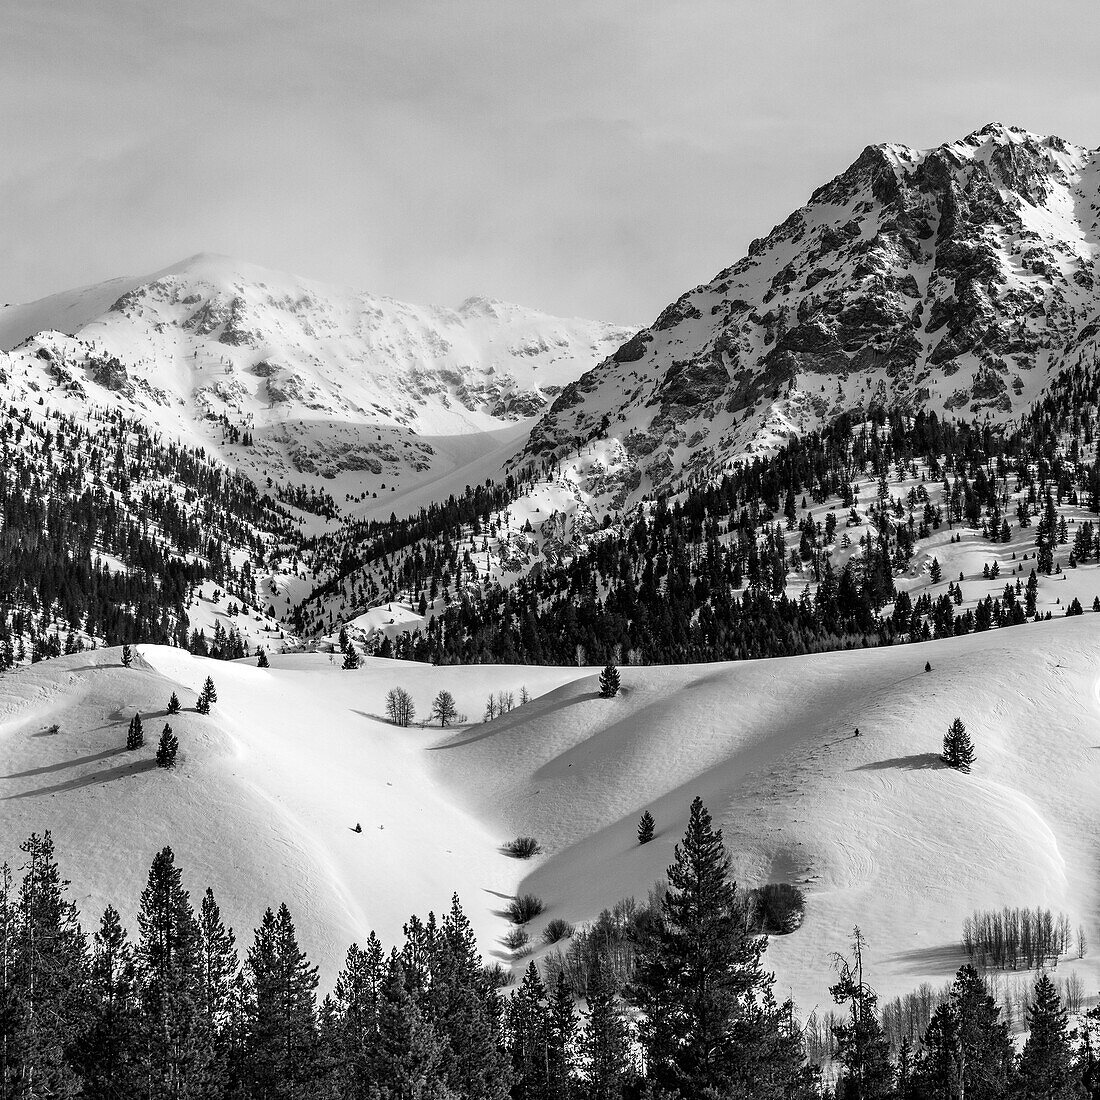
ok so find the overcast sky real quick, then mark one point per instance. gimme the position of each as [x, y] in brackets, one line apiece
[591, 158]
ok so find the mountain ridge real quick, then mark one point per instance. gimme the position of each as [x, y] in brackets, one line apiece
[958, 279]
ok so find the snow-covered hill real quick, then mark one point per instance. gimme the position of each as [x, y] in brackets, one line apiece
[326, 387]
[872, 828]
[958, 279]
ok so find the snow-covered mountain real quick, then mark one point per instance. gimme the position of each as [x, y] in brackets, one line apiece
[287, 378]
[959, 279]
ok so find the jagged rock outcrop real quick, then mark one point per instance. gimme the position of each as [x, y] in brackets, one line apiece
[957, 279]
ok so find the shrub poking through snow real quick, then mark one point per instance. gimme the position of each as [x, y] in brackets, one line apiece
[556, 930]
[523, 847]
[776, 908]
[516, 939]
[645, 828]
[524, 908]
[609, 682]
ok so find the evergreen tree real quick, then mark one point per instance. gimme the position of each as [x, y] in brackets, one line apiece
[605, 1041]
[108, 1061]
[561, 1019]
[351, 657]
[1046, 1062]
[261, 659]
[207, 696]
[958, 751]
[527, 1037]
[167, 748]
[127, 656]
[173, 704]
[699, 984]
[48, 1009]
[645, 828]
[465, 1009]
[967, 1050]
[609, 681]
[281, 1011]
[178, 1049]
[409, 1059]
[135, 735]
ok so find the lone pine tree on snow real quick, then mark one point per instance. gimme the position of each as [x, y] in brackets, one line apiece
[609, 681]
[645, 828]
[958, 752]
[261, 659]
[174, 704]
[167, 748]
[127, 656]
[135, 735]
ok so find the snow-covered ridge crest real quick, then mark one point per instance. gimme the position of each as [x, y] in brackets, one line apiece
[290, 377]
[959, 279]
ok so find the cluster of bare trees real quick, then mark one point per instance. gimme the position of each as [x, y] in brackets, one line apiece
[401, 710]
[1015, 939]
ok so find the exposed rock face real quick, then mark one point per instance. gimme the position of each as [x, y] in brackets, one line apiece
[958, 279]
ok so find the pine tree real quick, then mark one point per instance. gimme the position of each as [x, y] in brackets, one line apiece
[645, 828]
[1046, 1062]
[351, 657]
[561, 1019]
[605, 1041]
[958, 751]
[281, 1010]
[609, 681]
[527, 1037]
[465, 1010]
[207, 696]
[261, 659]
[173, 704]
[178, 1050]
[127, 656]
[135, 735]
[407, 1047]
[698, 974]
[967, 1050]
[47, 967]
[108, 1058]
[167, 748]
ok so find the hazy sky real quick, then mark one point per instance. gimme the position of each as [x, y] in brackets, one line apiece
[594, 158]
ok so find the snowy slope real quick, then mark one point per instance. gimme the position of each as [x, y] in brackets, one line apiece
[958, 279]
[335, 388]
[876, 833]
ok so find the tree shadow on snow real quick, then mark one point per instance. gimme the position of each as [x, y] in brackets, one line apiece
[919, 762]
[75, 762]
[136, 767]
[942, 957]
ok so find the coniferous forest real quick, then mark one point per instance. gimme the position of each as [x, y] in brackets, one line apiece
[179, 1008]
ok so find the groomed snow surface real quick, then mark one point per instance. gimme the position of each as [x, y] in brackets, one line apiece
[269, 787]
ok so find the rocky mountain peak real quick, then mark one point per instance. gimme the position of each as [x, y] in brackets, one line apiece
[955, 279]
